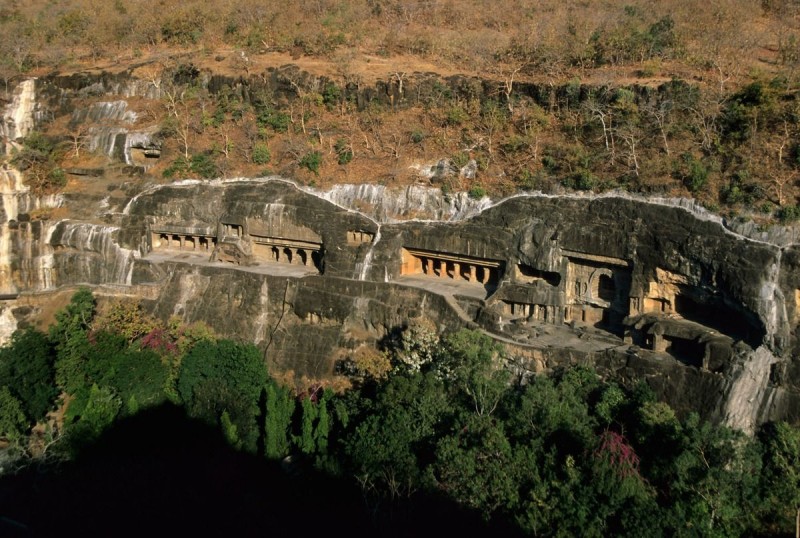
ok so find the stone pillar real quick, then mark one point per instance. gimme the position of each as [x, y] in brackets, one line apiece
[182, 241]
[456, 271]
[658, 343]
[471, 277]
[485, 275]
[442, 269]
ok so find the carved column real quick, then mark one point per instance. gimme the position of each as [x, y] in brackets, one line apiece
[485, 275]
[456, 270]
[442, 269]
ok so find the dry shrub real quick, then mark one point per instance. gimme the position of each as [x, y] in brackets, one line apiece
[371, 363]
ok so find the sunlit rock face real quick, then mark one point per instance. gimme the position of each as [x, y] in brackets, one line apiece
[645, 290]
[24, 256]
[669, 289]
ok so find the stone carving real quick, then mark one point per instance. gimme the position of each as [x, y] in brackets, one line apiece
[359, 237]
[452, 266]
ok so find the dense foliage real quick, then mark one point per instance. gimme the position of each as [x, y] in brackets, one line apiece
[567, 454]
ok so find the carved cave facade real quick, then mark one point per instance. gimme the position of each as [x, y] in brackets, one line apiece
[655, 309]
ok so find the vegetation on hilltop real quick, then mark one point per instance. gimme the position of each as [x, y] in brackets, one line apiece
[675, 98]
[437, 418]
[548, 37]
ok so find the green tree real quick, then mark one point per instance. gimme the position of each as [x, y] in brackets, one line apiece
[230, 431]
[224, 376]
[781, 477]
[138, 375]
[474, 361]
[26, 367]
[99, 411]
[13, 423]
[315, 423]
[280, 406]
[476, 467]
[392, 446]
[310, 412]
[70, 336]
[312, 161]
[322, 429]
[261, 154]
[713, 484]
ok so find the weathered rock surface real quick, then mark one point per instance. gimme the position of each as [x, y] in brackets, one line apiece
[644, 290]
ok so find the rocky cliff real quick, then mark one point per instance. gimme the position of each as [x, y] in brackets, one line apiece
[653, 290]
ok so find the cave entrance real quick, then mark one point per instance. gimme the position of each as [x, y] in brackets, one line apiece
[688, 308]
[721, 317]
[688, 352]
[606, 288]
[530, 274]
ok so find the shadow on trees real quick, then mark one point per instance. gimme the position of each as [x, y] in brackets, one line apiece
[160, 472]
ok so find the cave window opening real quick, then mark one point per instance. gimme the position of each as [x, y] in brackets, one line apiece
[552, 278]
[606, 289]
[316, 258]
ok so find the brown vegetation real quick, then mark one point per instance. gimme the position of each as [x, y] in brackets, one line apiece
[675, 97]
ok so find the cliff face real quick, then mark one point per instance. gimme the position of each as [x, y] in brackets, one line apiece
[644, 290]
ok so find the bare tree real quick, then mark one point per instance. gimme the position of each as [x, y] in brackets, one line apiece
[661, 115]
[399, 79]
[604, 116]
[631, 136]
[78, 137]
[706, 114]
[508, 87]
